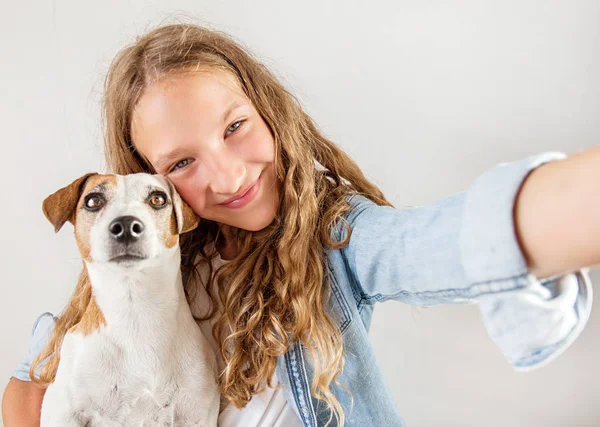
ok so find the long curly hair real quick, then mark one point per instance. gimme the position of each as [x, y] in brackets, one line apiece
[274, 293]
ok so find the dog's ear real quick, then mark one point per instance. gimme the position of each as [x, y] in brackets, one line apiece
[187, 220]
[60, 206]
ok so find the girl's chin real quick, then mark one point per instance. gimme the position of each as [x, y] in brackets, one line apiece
[255, 225]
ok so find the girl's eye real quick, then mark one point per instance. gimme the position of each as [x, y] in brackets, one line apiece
[181, 164]
[233, 127]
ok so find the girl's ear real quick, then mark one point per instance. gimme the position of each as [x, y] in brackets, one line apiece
[60, 206]
[187, 220]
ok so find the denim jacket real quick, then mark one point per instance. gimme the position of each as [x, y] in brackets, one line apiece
[462, 249]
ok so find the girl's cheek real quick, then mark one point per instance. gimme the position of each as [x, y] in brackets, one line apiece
[190, 189]
[262, 150]
[195, 200]
[258, 145]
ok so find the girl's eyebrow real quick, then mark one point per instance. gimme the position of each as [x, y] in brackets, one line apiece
[168, 158]
[232, 106]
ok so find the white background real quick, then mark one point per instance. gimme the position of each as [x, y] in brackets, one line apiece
[424, 95]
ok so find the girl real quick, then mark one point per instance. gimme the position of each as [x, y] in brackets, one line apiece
[296, 245]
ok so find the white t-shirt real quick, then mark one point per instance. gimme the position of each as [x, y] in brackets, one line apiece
[266, 409]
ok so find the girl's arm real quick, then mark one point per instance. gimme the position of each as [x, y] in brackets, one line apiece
[557, 215]
[465, 248]
[22, 401]
[22, 404]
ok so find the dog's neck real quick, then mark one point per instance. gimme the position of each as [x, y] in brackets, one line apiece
[149, 292]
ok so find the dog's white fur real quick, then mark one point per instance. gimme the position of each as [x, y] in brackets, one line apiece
[149, 364]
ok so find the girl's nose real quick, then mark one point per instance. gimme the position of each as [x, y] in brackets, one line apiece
[227, 174]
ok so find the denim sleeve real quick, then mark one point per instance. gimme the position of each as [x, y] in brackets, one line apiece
[40, 335]
[464, 249]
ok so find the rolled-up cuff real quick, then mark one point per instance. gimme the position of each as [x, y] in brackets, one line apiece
[489, 247]
[535, 324]
[40, 335]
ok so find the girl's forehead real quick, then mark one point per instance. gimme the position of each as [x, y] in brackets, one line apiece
[204, 95]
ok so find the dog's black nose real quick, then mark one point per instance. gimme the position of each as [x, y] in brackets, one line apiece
[126, 229]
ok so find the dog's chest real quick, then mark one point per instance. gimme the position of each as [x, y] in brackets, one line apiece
[133, 405]
[130, 380]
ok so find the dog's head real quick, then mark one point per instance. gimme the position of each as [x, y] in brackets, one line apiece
[121, 219]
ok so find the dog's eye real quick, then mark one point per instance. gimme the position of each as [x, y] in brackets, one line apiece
[93, 202]
[158, 199]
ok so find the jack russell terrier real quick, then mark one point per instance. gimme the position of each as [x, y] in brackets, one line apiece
[137, 357]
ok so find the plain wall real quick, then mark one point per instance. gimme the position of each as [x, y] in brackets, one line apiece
[424, 95]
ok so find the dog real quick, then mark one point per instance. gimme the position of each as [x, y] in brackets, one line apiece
[137, 357]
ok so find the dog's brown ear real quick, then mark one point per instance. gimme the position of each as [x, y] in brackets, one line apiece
[60, 206]
[187, 220]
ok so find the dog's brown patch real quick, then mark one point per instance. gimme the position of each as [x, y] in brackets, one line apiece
[82, 235]
[84, 221]
[171, 234]
[190, 219]
[99, 180]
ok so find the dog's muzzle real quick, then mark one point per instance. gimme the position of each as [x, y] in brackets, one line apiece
[125, 232]
[126, 229]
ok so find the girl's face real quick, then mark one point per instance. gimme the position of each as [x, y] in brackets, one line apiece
[203, 133]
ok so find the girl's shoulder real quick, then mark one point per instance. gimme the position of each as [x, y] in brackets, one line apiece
[359, 206]
[358, 203]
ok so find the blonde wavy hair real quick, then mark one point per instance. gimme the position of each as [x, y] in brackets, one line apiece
[275, 291]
